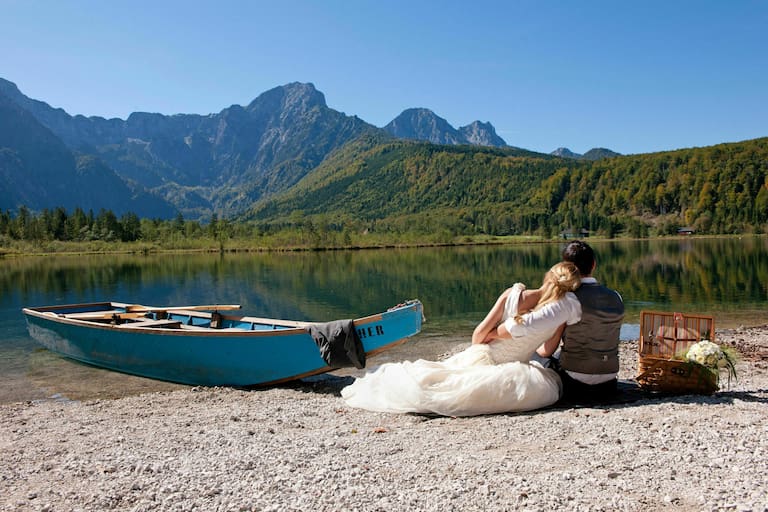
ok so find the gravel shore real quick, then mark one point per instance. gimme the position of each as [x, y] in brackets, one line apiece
[299, 447]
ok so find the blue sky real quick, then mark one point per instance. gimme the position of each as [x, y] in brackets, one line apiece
[635, 77]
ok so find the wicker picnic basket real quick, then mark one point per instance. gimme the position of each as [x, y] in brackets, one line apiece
[664, 336]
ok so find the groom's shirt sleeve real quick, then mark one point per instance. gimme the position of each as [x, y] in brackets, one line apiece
[547, 319]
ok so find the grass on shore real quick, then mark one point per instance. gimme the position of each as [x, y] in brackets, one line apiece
[259, 244]
[274, 243]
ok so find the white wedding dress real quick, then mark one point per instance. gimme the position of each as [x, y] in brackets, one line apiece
[483, 379]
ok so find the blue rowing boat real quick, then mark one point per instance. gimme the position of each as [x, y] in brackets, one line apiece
[200, 345]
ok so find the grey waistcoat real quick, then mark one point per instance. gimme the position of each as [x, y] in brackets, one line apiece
[592, 345]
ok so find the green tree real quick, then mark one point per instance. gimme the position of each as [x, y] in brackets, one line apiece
[130, 227]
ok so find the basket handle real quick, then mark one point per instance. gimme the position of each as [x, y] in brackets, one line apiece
[678, 319]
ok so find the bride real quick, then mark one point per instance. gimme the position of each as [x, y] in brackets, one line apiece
[495, 374]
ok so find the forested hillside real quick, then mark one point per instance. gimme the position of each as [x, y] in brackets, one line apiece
[716, 189]
[411, 186]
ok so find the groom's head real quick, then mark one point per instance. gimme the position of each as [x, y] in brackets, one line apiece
[580, 254]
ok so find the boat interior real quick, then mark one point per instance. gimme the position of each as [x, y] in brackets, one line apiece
[189, 318]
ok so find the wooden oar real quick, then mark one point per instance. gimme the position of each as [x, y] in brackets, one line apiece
[102, 315]
[138, 311]
[138, 308]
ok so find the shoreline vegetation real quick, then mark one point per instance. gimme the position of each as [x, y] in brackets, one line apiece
[18, 248]
[234, 246]
[274, 243]
[57, 231]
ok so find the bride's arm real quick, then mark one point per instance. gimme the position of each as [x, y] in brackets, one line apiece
[486, 330]
[550, 346]
[547, 319]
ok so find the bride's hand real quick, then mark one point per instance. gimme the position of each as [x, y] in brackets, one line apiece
[489, 338]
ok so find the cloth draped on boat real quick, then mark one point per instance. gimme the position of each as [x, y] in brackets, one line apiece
[339, 344]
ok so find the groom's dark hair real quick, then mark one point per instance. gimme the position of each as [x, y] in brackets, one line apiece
[580, 254]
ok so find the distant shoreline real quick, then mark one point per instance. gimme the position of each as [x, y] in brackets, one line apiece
[239, 246]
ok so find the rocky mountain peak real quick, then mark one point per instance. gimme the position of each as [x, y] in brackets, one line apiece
[565, 153]
[295, 96]
[481, 134]
[423, 124]
[592, 154]
[10, 89]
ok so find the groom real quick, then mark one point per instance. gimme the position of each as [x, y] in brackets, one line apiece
[589, 354]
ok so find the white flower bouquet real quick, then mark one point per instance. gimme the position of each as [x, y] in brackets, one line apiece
[713, 357]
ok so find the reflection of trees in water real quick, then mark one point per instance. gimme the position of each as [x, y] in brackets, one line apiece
[700, 271]
[450, 281]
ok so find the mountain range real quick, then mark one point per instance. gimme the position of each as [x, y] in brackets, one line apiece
[38, 170]
[593, 154]
[157, 166]
[423, 124]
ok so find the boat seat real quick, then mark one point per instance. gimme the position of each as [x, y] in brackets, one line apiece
[203, 328]
[165, 323]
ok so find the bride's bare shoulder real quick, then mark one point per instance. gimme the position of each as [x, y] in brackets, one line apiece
[529, 299]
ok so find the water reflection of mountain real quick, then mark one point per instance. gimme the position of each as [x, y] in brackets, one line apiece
[691, 272]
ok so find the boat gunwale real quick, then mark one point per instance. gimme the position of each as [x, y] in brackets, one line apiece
[48, 313]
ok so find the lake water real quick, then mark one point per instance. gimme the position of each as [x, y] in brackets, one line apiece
[726, 278]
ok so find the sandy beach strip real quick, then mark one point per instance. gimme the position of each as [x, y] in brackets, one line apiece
[298, 447]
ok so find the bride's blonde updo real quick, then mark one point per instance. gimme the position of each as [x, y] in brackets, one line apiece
[561, 278]
[566, 276]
